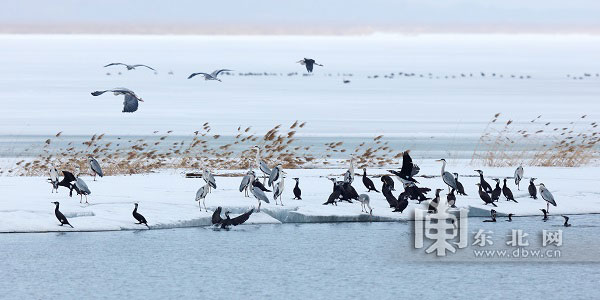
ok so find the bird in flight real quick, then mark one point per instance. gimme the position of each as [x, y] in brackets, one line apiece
[129, 67]
[130, 103]
[309, 63]
[211, 76]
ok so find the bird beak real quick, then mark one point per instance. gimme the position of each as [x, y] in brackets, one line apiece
[141, 100]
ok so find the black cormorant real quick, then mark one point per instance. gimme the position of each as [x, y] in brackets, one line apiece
[297, 191]
[509, 217]
[451, 198]
[259, 185]
[387, 180]
[387, 193]
[139, 217]
[493, 215]
[402, 202]
[225, 223]
[61, 218]
[484, 196]
[460, 190]
[497, 190]
[433, 204]
[507, 192]
[484, 185]
[566, 224]
[532, 189]
[368, 182]
[545, 212]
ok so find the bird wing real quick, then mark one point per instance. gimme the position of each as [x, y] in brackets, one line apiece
[245, 182]
[241, 218]
[200, 193]
[82, 186]
[211, 181]
[264, 167]
[259, 194]
[216, 217]
[122, 91]
[115, 64]
[548, 196]
[199, 73]
[273, 176]
[217, 72]
[96, 167]
[140, 65]
[407, 165]
[68, 176]
[130, 103]
[449, 179]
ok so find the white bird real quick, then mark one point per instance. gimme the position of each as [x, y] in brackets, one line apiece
[259, 195]
[546, 195]
[364, 203]
[278, 189]
[54, 178]
[447, 176]
[211, 76]
[349, 175]
[129, 67]
[201, 195]
[247, 181]
[209, 179]
[95, 167]
[518, 176]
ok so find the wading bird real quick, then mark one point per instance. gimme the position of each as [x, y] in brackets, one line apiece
[349, 175]
[447, 177]
[225, 223]
[546, 195]
[129, 67]
[130, 102]
[261, 164]
[275, 174]
[259, 195]
[364, 203]
[209, 179]
[518, 176]
[136, 215]
[95, 167]
[278, 188]
[201, 195]
[54, 178]
[211, 76]
[309, 63]
[61, 218]
[247, 181]
[82, 188]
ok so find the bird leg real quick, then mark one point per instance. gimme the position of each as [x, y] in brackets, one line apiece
[203, 202]
[548, 207]
[258, 210]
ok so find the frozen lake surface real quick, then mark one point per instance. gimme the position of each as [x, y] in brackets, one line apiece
[291, 261]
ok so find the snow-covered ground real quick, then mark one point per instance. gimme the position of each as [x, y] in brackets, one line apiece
[167, 199]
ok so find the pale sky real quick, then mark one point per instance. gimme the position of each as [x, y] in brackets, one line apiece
[298, 16]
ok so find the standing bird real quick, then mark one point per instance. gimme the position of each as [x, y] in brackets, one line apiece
[129, 67]
[130, 102]
[435, 202]
[532, 189]
[225, 223]
[364, 203]
[211, 76]
[278, 189]
[484, 185]
[508, 193]
[447, 177]
[387, 180]
[309, 63]
[546, 195]
[387, 193]
[275, 174]
[82, 188]
[297, 191]
[566, 224]
[209, 179]
[246, 183]
[497, 190]
[349, 175]
[95, 167]
[451, 198]
[54, 178]
[402, 202]
[261, 164]
[493, 216]
[518, 176]
[460, 189]
[484, 196]
[259, 195]
[201, 195]
[335, 195]
[368, 182]
[61, 218]
[509, 217]
[138, 216]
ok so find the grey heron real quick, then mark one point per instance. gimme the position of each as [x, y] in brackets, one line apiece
[228, 221]
[309, 63]
[261, 164]
[259, 195]
[275, 174]
[368, 182]
[546, 195]
[201, 195]
[297, 191]
[209, 178]
[518, 176]
[82, 187]
[484, 185]
[365, 203]
[61, 218]
[211, 76]
[447, 176]
[95, 167]
[507, 192]
[247, 181]
[54, 178]
[278, 188]
[130, 102]
[136, 215]
[532, 189]
[129, 67]
[349, 175]
[484, 196]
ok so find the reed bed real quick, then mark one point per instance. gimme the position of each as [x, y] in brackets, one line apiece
[200, 150]
[537, 143]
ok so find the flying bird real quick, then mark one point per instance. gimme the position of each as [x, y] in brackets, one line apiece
[228, 221]
[129, 67]
[309, 63]
[130, 102]
[211, 76]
